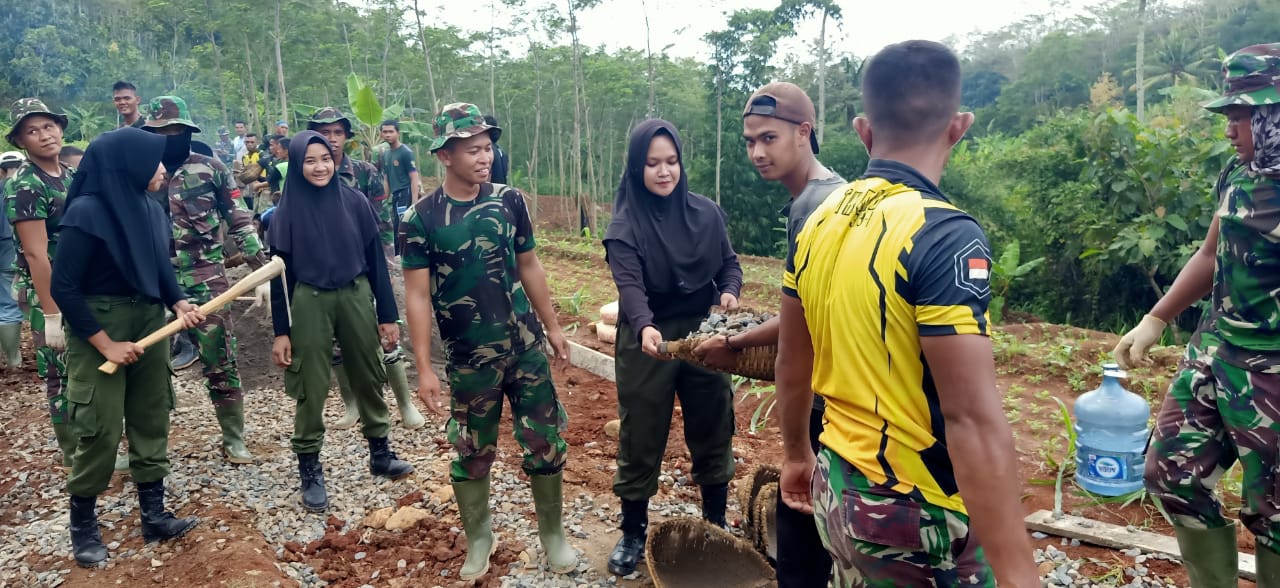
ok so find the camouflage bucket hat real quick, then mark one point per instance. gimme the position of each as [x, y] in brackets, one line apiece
[1252, 78]
[460, 121]
[25, 107]
[326, 116]
[169, 110]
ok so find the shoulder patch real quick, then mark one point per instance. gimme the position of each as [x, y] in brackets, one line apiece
[973, 268]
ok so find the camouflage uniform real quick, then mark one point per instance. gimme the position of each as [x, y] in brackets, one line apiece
[223, 148]
[936, 548]
[204, 204]
[492, 334]
[1224, 404]
[32, 194]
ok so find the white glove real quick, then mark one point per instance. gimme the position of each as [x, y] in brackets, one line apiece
[53, 335]
[1133, 347]
[262, 295]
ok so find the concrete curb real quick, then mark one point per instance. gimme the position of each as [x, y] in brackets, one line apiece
[591, 360]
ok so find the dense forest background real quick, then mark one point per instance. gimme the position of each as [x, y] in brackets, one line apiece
[1090, 149]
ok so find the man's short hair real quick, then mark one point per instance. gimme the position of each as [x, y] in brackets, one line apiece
[239, 122]
[284, 143]
[272, 138]
[123, 85]
[254, 135]
[490, 120]
[70, 151]
[391, 122]
[911, 90]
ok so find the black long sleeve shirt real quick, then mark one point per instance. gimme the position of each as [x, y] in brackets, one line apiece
[84, 267]
[642, 308]
[375, 270]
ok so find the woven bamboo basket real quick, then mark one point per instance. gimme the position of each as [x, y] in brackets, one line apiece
[766, 521]
[753, 362]
[692, 553]
[748, 490]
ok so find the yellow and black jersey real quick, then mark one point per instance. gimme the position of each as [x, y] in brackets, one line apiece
[884, 261]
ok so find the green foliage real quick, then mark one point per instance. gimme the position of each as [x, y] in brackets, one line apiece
[1005, 270]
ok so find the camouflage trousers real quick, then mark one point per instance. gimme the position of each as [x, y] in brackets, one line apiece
[1214, 415]
[386, 210]
[50, 365]
[475, 405]
[217, 346]
[880, 538]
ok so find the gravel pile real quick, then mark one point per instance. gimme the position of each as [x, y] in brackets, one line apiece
[35, 547]
[732, 323]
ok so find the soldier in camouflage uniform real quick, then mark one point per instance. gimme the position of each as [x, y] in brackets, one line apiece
[33, 202]
[467, 252]
[1224, 405]
[364, 178]
[203, 204]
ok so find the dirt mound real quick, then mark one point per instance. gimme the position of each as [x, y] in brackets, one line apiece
[428, 554]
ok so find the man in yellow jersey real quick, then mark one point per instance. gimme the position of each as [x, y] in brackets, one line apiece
[884, 314]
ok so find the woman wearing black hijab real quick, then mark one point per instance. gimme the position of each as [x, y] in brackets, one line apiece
[113, 279]
[671, 260]
[327, 235]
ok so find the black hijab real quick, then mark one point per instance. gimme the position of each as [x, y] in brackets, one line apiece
[324, 230]
[678, 237]
[107, 199]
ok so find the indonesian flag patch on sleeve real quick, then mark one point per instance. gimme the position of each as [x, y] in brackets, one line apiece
[979, 269]
[973, 268]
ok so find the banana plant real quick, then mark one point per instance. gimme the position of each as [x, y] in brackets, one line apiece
[369, 114]
[1004, 272]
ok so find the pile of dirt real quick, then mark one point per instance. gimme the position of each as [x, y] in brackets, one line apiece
[429, 554]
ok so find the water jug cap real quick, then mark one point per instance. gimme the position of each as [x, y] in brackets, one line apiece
[1113, 370]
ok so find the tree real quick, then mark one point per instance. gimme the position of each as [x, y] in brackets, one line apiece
[1141, 66]
[826, 9]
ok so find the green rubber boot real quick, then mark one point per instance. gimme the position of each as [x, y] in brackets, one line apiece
[409, 415]
[352, 415]
[547, 502]
[66, 442]
[1211, 556]
[473, 507]
[1268, 567]
[231, 420]
[10, 344]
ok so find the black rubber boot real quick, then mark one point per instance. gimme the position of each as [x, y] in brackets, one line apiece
[383, 462]
[629, 551]
[714, 500]
[158, 524]
[86, 539]
[314, 497]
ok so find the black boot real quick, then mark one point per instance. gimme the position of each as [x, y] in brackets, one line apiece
[157, 524]
[383, 462]
[86, 540]
[314, 497]
[630, 548]
[714, 500]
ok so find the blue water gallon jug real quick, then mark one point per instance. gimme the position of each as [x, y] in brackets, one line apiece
[1111, 435]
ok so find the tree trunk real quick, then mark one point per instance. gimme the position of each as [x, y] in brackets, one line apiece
[493, 66]
[537, 129]
[426, 59]
[822, 77]
[577, 110]
[351, 60]
[284, 100]
[719, 126]
[253, 90]
[648, 48]
[1140, 67]
[217, 66]
[592, 180]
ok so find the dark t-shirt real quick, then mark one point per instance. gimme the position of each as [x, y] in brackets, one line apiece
[796, 212]
[470, 249]
[396, 164]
